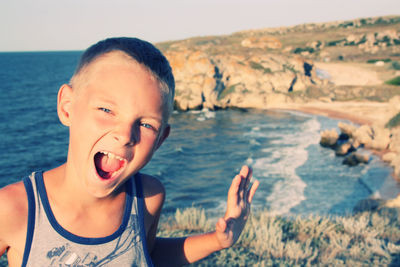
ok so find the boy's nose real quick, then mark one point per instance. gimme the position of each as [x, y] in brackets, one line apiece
[126, 135]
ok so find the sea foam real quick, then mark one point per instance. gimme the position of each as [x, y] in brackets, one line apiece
[286, 153]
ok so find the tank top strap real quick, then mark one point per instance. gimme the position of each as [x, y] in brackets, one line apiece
[140, 211]
[49, 244]
[31, 195]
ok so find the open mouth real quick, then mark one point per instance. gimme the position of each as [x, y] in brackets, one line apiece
[108, 164]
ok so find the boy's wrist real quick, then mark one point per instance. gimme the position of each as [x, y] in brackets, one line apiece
[217, 243]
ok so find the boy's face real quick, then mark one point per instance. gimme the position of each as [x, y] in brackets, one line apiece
[116, 122]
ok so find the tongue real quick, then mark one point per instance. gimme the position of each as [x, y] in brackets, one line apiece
[106, 164]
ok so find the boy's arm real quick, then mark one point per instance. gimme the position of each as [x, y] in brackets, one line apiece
[13, 220]
[180, 251]
[154, 195]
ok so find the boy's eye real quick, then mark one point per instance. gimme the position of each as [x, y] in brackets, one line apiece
[106, 110]
[148, 126]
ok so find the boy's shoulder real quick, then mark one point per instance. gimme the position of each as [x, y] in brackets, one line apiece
[151, 185]
[13, 212]
[14, 201]
[154, 193]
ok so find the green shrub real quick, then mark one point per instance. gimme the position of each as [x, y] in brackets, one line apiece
[346, 24]
[352, 43]
[299, 50]
[394, 81]
[258, 66]
[373, 61]
[363, 22]
[228, 90]
[394, 122]
[396, 65]
[336, 42]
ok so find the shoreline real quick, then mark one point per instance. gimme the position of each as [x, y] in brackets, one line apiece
[357, 112]
[360, 113]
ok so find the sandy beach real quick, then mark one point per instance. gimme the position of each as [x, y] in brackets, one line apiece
[357, 112]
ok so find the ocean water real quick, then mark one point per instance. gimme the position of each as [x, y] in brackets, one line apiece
[202, 154]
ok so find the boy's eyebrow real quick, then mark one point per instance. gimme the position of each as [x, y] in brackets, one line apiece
[104, 99]
[113, 103]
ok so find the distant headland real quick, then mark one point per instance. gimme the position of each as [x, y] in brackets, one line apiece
[342, 69]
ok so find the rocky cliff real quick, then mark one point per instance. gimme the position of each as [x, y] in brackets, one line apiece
[270, 67]
[257, 80]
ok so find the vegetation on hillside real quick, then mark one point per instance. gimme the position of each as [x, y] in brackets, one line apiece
[313, 40]
[394, 81]
[365, 239]
[394, 122]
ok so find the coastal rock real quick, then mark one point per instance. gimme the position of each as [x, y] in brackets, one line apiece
[344, 149]
[363, 134]
[395, 140]
[356, 158]
[329, 138]
[389, 157]
[355, 143]
[380, 139]
[373, 137]
[346, 128]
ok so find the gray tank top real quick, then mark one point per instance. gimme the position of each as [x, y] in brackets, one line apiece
[48, 244]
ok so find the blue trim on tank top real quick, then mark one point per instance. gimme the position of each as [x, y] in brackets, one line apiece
[31, 219]
[140, 202]
[79, 239]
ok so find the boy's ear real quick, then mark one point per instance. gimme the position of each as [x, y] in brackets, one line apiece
[64, 100]
[164, 135]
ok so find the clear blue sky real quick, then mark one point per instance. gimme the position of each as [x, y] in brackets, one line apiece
[75, 24]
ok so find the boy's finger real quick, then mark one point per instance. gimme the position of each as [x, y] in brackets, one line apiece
[245, 172]
[242, 188]
[240, 183]
[248, 178]
[252, 190]
[233, 190]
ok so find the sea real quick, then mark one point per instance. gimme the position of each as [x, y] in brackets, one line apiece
[203, 153]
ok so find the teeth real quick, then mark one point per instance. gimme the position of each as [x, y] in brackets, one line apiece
[112, 156]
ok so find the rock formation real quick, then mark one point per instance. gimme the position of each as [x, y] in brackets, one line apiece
[345, 144]
[375, 137]
[229, 80]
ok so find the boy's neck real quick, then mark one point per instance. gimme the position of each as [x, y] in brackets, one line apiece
[80, 213]
[63, 187]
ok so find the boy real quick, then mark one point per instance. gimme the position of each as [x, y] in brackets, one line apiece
[97, 209]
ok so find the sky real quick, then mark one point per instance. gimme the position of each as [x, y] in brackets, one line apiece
[43, 25]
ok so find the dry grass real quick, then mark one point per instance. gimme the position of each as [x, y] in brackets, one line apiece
[365, 239]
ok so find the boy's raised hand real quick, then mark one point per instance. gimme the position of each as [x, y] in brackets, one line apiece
[240, 195]
[180, 251]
